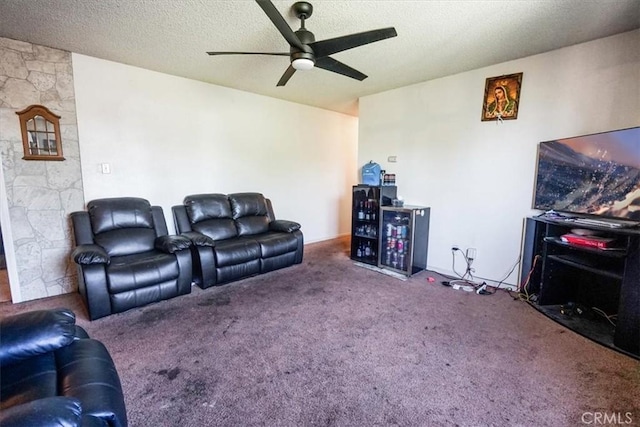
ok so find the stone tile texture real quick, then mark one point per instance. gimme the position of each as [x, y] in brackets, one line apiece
[40, 194]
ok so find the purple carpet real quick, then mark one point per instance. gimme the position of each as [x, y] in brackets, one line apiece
[328, 343]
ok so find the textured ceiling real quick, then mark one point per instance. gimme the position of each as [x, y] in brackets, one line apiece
[435, 38]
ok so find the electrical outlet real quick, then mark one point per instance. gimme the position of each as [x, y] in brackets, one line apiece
[471, 253]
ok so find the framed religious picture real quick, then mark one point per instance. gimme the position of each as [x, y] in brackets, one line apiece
[501, 97]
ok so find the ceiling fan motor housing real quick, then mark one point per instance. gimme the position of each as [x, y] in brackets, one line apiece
[305, 38]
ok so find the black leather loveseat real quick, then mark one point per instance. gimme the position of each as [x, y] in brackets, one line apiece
[235, 236]
[125, 256]
[53, 374]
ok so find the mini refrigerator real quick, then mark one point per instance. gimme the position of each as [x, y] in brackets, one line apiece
[404, 239]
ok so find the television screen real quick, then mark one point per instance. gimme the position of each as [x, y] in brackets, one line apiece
[595, 174]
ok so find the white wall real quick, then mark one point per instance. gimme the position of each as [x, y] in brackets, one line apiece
[478, 177]
[166, 137]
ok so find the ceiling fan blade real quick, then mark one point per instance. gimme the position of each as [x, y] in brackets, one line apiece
[330, 46]
[249, 53]
[286, 76]
[330, 64]
[281, 24]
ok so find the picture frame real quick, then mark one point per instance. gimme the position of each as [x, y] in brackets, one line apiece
[501, 97]
[41, 136]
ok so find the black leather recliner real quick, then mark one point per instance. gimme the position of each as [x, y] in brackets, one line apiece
[53, 374]
[125, 256]
[236, 236]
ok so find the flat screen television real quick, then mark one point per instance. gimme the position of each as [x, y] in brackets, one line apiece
[591, 175]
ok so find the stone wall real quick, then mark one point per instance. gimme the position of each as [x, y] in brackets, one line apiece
[40, 194]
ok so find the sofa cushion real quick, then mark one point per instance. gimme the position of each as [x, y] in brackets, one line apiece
[274, 243]
[250, 212]
[200, 207]
[251, 225]
[127, 241]
[217, 229]
[137, 271]
[236, 251]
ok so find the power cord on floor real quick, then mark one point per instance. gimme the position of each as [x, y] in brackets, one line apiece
[611, 318]
[465, 281]
[501, 281]
[522, 293]
[469, 279]
[469, 271]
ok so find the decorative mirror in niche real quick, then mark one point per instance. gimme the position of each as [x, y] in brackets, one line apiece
[40, 133]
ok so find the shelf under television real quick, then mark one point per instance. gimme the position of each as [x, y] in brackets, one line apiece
[596, 328]
[579, 263]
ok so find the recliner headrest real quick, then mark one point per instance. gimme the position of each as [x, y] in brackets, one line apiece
[118, 213]
[207, 206]
[248, 204]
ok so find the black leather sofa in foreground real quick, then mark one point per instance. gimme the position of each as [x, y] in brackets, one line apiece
[235, 236]
[53, 374]
[125, 256]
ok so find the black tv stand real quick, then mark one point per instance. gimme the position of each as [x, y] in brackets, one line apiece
[605, 283]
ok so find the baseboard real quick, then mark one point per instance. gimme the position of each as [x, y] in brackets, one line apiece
[326, 239]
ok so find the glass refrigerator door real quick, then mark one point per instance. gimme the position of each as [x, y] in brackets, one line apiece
[364, 237]
[395, 241]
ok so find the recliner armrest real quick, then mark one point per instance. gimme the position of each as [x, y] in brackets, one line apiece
[35, 332]
[90, 254]
[47, 412]
[172, 244]
[199, 239]
[284, 225]
[89, 374]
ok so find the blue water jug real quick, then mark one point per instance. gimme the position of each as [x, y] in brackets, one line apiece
[371, 173]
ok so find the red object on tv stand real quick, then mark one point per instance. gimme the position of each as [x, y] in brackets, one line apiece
[590, 241]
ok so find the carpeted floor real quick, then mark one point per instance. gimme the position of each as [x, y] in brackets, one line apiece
[329, 343]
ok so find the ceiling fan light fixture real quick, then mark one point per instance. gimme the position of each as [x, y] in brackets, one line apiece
[302, 64]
